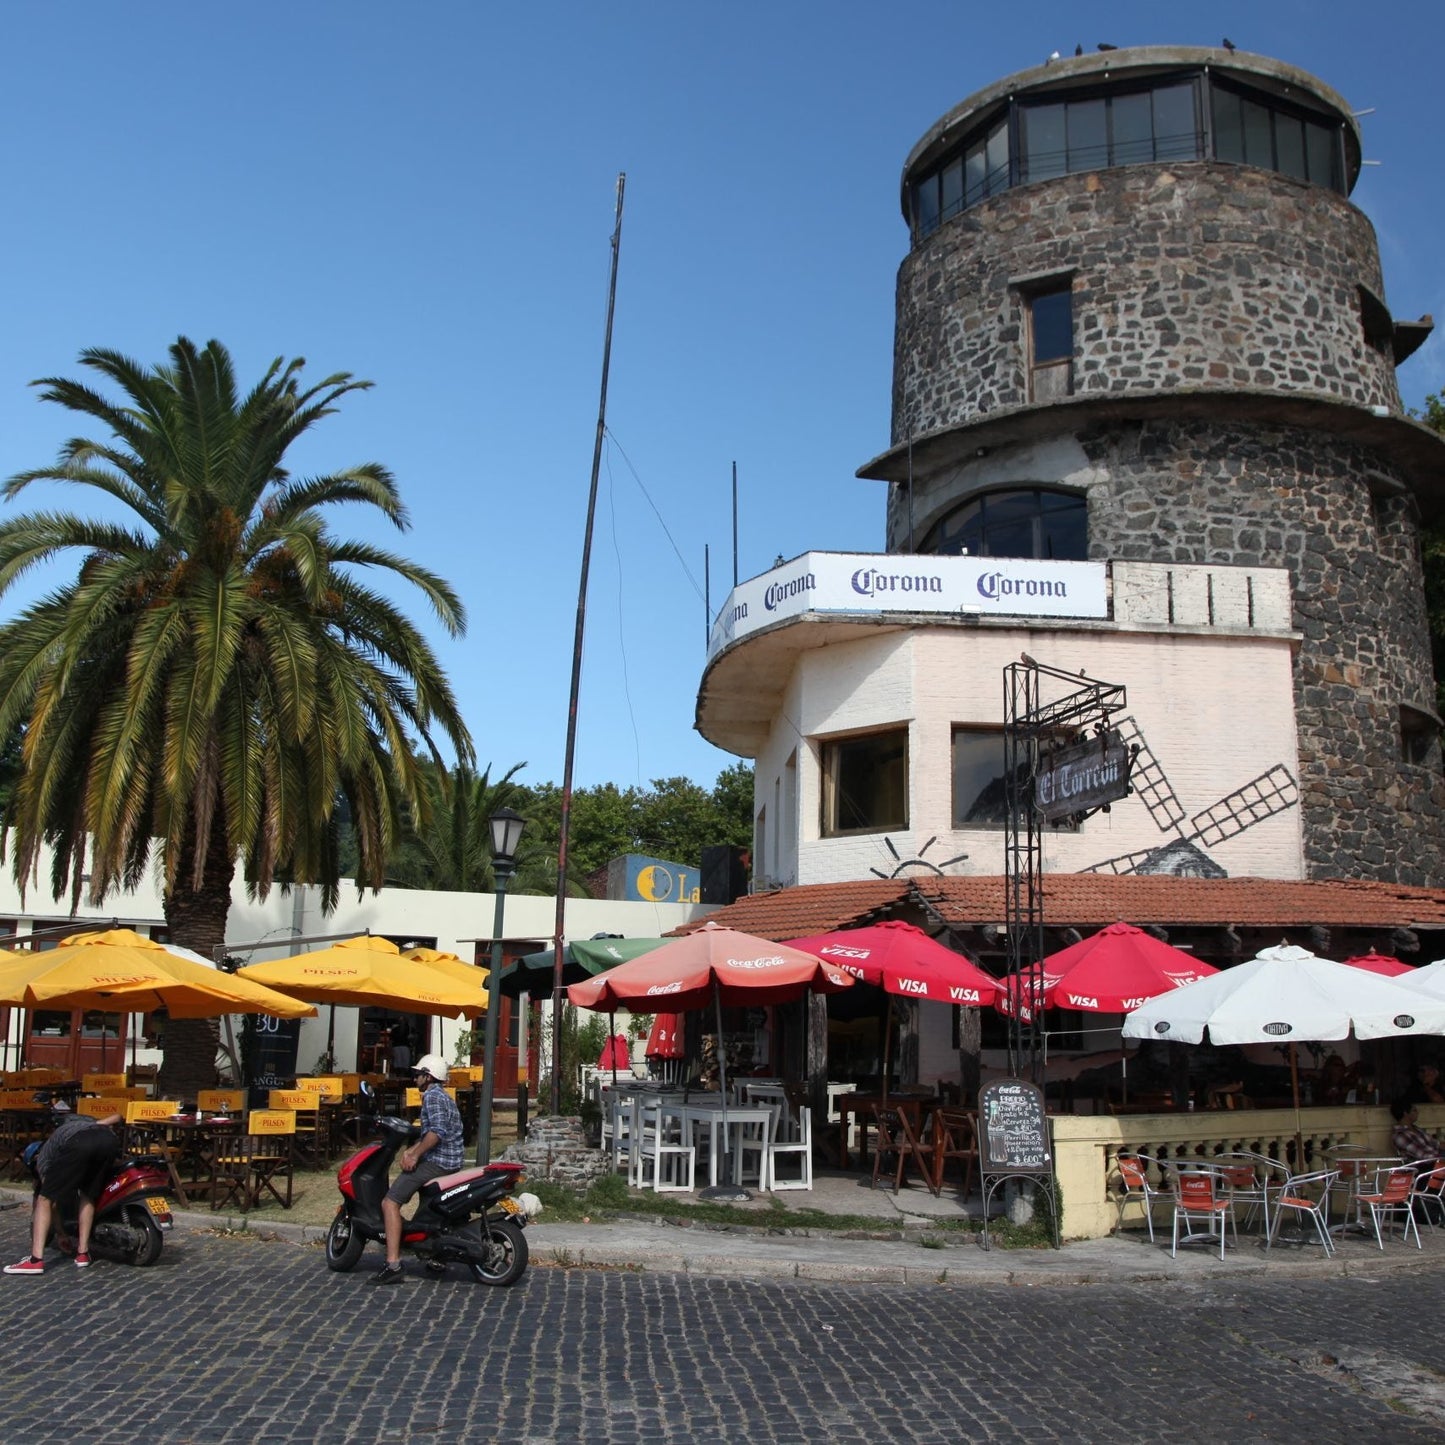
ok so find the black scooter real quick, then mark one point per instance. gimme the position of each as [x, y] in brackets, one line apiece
[469, 1217]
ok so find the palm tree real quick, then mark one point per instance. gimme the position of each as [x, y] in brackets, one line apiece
[451, 849]
[217, 674]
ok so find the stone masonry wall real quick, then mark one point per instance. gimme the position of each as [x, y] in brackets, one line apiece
[1212, 493]
[1198, 276]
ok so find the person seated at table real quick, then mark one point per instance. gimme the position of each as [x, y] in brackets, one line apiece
[1426, 1088]
[77, 1159]
[437, 1152]
[1408, 1139]
[1335, 1082]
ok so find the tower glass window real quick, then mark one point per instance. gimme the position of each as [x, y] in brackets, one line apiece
[1026, 522]
[1104, 126]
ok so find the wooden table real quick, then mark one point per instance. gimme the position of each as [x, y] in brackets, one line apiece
[916, 1106]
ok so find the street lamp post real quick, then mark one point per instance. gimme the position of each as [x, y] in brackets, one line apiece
[506, 827]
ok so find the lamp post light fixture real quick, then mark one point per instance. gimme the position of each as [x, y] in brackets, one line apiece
[506, 828]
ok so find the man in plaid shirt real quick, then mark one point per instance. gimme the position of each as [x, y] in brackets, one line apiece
[437, 1152]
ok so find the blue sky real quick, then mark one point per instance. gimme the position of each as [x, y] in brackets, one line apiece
[422, 194]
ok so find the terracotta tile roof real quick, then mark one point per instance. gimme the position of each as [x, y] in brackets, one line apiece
[811, 908]
[1091, 899]
[1099, 898]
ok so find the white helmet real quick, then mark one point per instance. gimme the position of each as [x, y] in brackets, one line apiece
[432, 1065]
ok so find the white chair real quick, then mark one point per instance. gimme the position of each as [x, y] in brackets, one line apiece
[801, 1147]
[618, 1128]
[661, 1149]
[753, 1138]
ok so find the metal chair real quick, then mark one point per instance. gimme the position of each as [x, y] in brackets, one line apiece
[1394, 1194]
[1134, 1175]
[1295, 1197]
[1202, 1194]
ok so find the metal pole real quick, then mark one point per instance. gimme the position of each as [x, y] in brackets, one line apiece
[559, 927]
[489, 1031]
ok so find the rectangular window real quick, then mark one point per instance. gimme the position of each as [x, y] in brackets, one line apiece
[925, 205]
[1133, 129]
[978, 778]
[1322, 152]
[1417, 737]
[952, 202]
[865, 783]
[1088, 135]
[1258, 145]
[1228, 126]
[1289, 142]
[1041, 138]
[1051, 343]
[1176, 126]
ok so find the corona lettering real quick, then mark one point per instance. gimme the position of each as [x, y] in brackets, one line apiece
[780, 592]
[994, 585]
[868, 583]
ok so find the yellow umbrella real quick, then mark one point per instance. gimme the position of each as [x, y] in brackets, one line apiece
[121, 971]
[470, 974]
[364, 971]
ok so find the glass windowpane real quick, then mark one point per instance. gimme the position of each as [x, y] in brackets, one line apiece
[1176, 136]
[925, 205]
[1088, 138]
[1258, 148]
[952, 201]
[997, 156]
[974, 172]
[1052, 318]
[978, 789]
[1133, 136]
[867, 783]
[1289, 140]
[1228, 126]
[1321, 154]
[1041, 135]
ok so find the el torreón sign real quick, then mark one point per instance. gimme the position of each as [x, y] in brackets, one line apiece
[1083, 778]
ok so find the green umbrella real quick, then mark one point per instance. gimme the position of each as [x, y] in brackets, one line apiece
[581, 959]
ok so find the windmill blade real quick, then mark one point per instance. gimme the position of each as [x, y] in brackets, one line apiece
[1147, 781]
[1263, 797]
[1124, 863]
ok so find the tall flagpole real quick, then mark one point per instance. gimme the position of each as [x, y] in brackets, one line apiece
[559, 927]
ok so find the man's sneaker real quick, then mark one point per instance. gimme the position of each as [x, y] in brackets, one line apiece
[28, 1265]
[82, 1261]
[388, 1274]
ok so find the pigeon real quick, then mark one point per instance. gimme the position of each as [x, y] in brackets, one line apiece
[1102, 46]
[1078, 50]
[1228, 43]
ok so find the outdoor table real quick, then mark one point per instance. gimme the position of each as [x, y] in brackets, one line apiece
[697, 1116]
[917, 1107]
[193, 1138]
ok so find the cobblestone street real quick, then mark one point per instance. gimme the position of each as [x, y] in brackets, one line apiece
[232, 1339]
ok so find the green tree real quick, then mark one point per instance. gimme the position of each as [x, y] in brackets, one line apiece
[217, 675]
[451, 846]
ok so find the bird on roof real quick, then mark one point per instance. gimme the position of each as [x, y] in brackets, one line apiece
[1103, 46]
[1078, 50]
[1228, 43]
[1053, 55]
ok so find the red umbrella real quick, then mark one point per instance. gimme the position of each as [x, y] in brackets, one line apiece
[616, 1054]
[902, 959]
[713, 965]
[1381, 963]
[665, 1040]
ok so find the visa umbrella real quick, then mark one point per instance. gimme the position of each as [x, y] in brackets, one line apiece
[1287, 995]
[711, 965]
[903, 960]
[1380, 963]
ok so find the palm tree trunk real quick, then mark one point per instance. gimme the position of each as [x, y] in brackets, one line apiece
[196, 918]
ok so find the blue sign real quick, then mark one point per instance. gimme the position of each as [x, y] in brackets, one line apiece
[638, 878]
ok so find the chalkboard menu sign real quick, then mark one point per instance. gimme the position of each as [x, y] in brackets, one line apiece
[1013, 1134]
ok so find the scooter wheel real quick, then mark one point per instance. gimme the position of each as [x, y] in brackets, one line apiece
[344, 1244]
[506, 1256]
[143, 1227]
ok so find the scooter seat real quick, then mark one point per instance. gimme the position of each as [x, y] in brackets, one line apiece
[443, 1182]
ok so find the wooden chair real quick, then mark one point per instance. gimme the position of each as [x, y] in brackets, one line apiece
[955, 1136]
[897, 1140]
[255, 1164]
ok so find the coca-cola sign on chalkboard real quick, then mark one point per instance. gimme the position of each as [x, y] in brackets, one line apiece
[1013, 1132]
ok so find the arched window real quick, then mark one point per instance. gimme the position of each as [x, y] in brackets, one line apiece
[1025, 522]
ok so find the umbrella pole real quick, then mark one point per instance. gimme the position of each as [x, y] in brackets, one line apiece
[612, 1043]
[887, 1040]
[725, 1191]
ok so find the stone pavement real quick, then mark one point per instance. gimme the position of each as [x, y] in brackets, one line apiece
[901, 1247]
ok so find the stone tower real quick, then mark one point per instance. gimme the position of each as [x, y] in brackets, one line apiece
[1141, 319]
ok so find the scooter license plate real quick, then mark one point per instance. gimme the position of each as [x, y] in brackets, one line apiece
[159, 1205]
[510, 1205]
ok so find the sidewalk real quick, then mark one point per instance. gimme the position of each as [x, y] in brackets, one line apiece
[902, 1250]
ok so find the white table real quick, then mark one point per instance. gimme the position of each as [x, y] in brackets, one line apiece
[697, 1116]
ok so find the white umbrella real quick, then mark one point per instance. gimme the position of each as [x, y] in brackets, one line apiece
[1428, 979]
[1287, 995]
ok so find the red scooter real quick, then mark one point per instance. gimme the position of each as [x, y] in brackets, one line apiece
[131, 1215]
[470, 1217]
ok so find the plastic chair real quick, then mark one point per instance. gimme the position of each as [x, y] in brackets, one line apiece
[1394, 1194]
[1134, 1175]
[1295, 1197]
[1202, 1195]
[801, 1147]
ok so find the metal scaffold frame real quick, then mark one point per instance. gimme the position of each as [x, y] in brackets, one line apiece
[1029, 723]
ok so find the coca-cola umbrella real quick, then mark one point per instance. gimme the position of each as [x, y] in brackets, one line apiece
[664, 1039]
[713, 965]
[903, 960]
[616, 1054]
[1112, 971]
